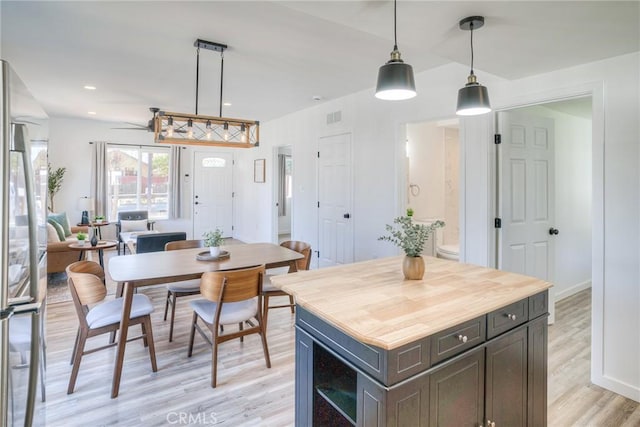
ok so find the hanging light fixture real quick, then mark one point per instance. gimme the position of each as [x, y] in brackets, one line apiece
[195, 129]
[473, 98]
[395, 78]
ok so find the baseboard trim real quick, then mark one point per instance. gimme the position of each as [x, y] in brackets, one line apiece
[572, 290]
[617, 386]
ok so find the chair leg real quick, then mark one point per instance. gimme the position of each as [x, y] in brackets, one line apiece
[166, 305]
[144, 335]
[214, 362]
[292, 304]
[192, 334]
[173, 315]
[265, 310]
[149, 338]
[241, 326]
[265, 348]
[75, 347]
[82, 339]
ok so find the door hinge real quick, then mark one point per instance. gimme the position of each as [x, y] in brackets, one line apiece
[497, 139]
[232, 228]
[233, 194]
[318, 204]
[233, 162]
[318, 154]
[497, 223]
[318, 254]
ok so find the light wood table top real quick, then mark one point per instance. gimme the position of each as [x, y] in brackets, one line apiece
[373, 303]
[152, 268]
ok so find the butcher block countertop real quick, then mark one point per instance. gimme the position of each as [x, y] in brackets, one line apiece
[373, 303]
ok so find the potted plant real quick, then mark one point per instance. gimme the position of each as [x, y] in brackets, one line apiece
[213, 240]
[54, 183]
[82, 238]
[99, 219]
[411, 238]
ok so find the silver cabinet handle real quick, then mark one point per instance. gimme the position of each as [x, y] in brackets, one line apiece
[512, 316]
[462, 338]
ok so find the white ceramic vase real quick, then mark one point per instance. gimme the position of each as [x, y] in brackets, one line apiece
[81, 242]
[214, 250]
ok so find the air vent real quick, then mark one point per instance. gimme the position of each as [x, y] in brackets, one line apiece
[334, 117]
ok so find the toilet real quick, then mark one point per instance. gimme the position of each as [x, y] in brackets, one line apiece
[448, 251]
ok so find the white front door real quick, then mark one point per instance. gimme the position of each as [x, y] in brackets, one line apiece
[212, 193]
[526, 198]
[335, 227]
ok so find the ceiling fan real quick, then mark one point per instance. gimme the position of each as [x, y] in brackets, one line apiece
[150, 127]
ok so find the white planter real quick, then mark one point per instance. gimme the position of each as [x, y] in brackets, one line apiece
[81, 242]
[214, 250]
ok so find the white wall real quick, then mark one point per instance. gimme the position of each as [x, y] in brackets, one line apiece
[379, 181]
[379, 184]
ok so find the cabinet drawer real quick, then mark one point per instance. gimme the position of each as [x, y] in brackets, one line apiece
[506, 318]
[538, 304]
[455, 340]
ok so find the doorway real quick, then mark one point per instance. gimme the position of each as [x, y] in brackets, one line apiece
[544, 194]
[212, 193]
[432, 180]
[284, 192]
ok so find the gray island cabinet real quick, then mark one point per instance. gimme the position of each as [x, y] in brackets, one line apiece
[465, 346]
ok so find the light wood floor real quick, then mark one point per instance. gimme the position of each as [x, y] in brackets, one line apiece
[249, 394]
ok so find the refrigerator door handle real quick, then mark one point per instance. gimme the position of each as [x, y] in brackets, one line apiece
[21, 144]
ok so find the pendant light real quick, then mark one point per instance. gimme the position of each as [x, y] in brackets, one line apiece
[473, 98]
[395, 78]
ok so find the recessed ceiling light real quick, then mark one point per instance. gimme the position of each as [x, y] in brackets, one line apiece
[89, 87]
[91, 113]
[227, 104]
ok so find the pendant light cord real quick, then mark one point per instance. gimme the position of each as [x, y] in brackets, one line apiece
[197, 76]
[395, 32]
[471, 29]
[221, 79]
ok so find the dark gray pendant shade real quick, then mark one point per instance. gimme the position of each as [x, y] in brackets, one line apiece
[395, 80]
[473, 99]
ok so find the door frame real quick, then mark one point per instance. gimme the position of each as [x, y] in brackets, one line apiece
[596, 91]
[274, 191]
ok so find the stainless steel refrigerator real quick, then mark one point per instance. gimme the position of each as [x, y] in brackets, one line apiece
[23, 243]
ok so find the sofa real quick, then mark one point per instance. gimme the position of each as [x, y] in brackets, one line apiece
[60, 234]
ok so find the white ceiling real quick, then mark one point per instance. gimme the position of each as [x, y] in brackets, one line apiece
[281, 54]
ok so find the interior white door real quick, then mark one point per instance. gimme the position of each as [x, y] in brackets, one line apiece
[335, 224]
[212, 193]
[526, 201]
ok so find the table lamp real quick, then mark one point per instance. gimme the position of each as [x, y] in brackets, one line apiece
[85, 204]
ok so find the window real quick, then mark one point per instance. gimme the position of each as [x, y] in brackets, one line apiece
[138, 180]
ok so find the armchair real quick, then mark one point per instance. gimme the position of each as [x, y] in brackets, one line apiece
[133, 221]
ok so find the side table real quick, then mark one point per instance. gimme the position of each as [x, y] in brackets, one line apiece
[97, 225]
[100, 247]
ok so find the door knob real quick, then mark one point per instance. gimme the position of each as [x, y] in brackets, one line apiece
[347, 216]
[197, 203]
[553, 231]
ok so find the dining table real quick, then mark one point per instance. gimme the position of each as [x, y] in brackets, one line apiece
[154, 268]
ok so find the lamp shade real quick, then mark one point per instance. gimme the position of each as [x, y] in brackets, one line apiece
[395, 81]
[85, 203]
[473, 99]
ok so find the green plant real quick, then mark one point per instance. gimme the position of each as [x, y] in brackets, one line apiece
[54, 183]
[213, 238]
[81, 236]
[408, 236]
[99, 217]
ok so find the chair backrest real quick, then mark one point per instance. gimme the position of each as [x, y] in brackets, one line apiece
[232, 285]
[85, 282]
[133, 215]
[183, 244]
[156, 242]
[300, 247]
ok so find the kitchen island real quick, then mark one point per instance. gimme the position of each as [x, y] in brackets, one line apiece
[467, 345]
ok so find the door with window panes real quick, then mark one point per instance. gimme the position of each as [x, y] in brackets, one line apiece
[212, 193]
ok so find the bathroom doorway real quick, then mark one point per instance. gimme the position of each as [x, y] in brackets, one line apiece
[433, 174]
[284, 192]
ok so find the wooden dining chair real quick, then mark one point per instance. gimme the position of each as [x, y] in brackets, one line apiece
[268, 290]
[230, 297]
[97, 317]
[180, 289]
